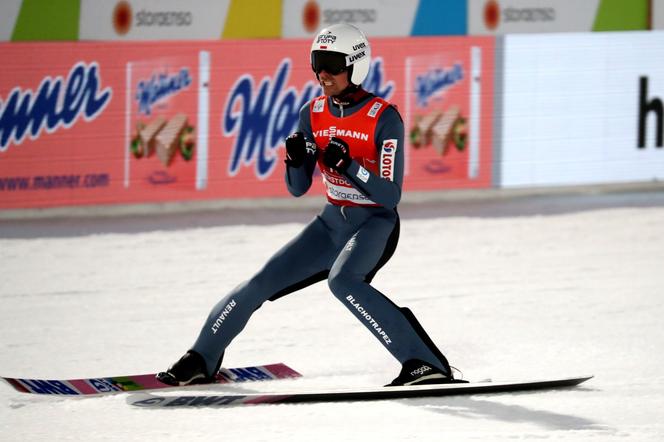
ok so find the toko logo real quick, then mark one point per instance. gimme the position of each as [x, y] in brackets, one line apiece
[57, 103]
[263, 116]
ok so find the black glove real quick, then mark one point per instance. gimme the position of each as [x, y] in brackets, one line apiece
[337, 155]
[296, 149]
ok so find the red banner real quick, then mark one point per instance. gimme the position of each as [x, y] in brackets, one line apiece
[96, 123]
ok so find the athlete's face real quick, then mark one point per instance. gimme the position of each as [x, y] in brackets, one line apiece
[333, 84]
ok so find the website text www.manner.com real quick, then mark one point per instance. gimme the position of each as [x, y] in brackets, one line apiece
[53, 182]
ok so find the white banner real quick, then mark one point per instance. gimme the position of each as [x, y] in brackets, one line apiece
[303, 18]
[582, 109]
[536, 16]
[8, 13]
[657, 14]
[152, 19]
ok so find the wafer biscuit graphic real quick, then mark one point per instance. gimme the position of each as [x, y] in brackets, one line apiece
[148, 134]
[168, 138]
[425, 126]
[442, 130]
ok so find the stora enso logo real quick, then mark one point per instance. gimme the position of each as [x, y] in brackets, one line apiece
[57, 103]
[262, 122]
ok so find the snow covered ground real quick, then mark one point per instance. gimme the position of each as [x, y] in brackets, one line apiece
[550, 287]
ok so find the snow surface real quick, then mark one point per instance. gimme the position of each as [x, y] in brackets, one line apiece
[506, 297]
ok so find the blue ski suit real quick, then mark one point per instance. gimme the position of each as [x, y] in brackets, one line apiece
[345, 244]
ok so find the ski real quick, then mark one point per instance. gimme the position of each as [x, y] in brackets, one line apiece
[155, 401]
[119, 384]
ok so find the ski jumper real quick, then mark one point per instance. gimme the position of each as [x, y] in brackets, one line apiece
[353, 236]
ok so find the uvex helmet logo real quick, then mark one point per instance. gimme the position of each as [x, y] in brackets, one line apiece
[355, 57]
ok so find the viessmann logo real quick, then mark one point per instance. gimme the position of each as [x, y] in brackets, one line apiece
[494, 15]
[124, 18]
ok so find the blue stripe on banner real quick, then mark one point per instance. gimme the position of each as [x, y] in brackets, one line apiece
[436, 17]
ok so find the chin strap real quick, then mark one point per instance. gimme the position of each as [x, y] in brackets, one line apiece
[349, 96]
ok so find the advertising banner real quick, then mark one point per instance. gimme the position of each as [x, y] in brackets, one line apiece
[302, 18]
[582, 109]
[37, 20]
[93, 123]
[152, 20]
[130, 20]
[444, 115]
[168, 100]
[9, 10]
[493, 17]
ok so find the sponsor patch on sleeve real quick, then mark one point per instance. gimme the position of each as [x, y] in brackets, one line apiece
[363, 174]
[387, 158]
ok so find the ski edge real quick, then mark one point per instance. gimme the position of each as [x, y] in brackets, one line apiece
[142, 382]
[146, 400]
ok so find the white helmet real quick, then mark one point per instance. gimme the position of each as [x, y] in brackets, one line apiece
[342, 47]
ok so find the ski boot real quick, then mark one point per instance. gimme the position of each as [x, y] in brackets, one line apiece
[418, 372]
[190, 369]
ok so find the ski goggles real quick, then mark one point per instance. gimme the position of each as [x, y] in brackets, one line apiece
[331, 62]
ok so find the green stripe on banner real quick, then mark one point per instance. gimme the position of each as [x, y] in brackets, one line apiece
[41, 20]
[622, 15]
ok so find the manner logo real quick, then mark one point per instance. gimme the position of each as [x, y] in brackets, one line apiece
[434, 82]
[57, 103]
[262, 116]
[159, 87]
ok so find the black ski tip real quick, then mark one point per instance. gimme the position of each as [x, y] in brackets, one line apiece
[582, 379]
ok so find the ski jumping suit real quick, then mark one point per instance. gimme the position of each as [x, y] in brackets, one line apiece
[355, 234]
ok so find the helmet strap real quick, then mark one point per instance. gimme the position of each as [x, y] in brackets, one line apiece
[351, 95]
